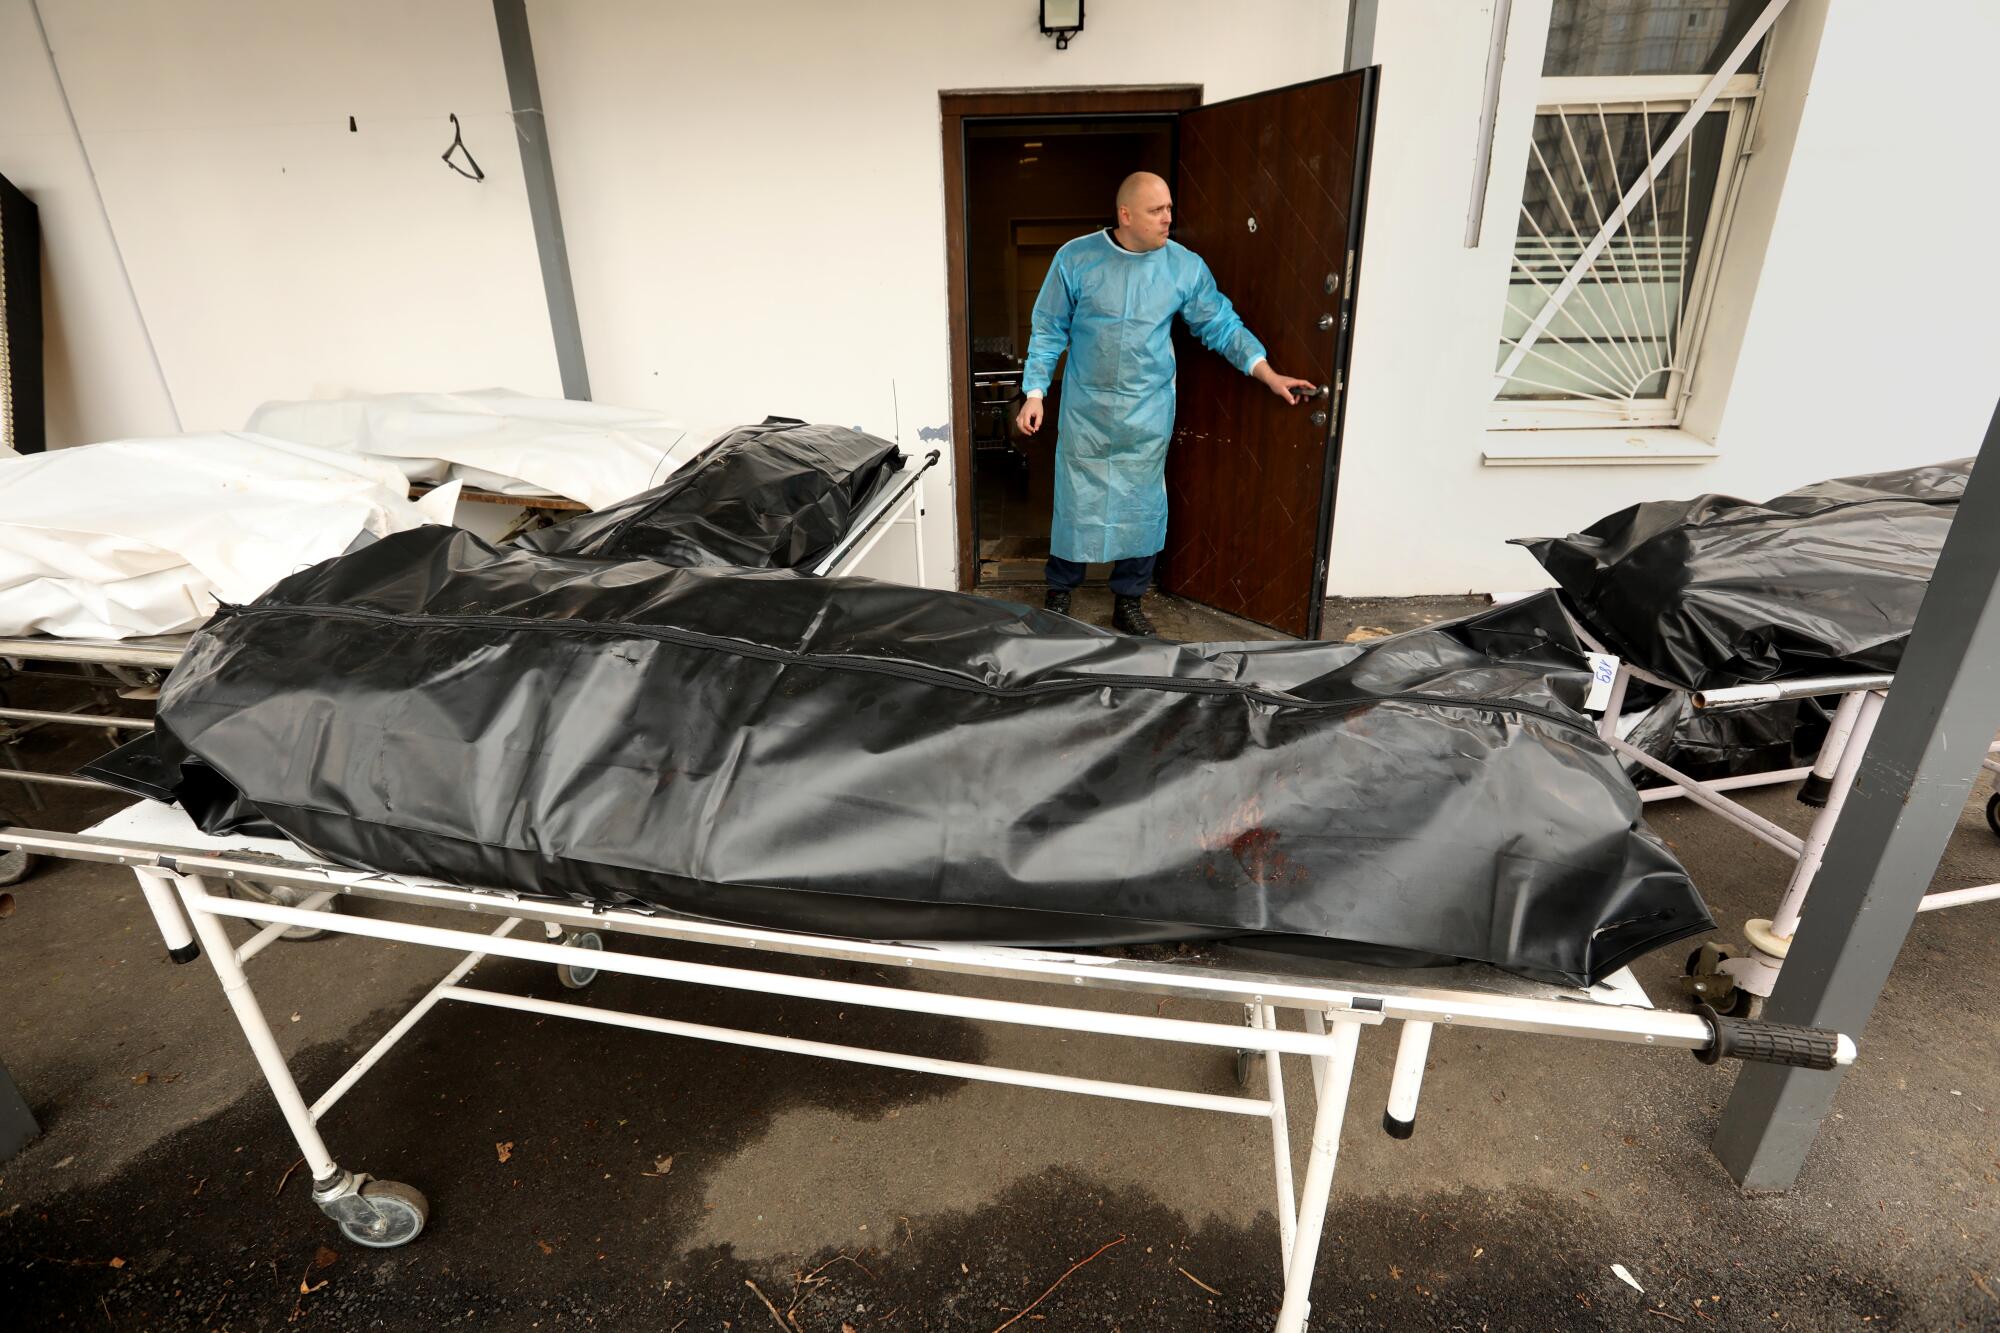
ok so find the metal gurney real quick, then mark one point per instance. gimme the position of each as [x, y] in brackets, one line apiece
[182, 872]
[1827, 784]
[1723, 601]
[135, 667]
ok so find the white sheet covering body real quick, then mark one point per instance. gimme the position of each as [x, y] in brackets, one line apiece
[141, 537]
[497, 440]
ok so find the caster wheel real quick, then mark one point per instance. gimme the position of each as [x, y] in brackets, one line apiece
[17, 865]
[1243, 1063]
[1702, 962]
[281, 896]
[571, 975]
[1704, 981]
[1741, 1003]
[1992, 815]
[401, 1211]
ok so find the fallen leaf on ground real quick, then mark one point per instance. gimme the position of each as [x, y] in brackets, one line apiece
[505, 1150]
[324, 1258]
[304, 1290]
[142, 1077]
[546, 1247]
[296, 1015]
[661, 1165]
[117, 1262]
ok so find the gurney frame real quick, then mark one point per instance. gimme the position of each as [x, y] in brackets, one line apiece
[181, 872]
[1827, 783]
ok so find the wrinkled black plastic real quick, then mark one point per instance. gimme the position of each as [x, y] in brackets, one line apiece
[867, 759]
[143, 768]
[1725, 742]
[1718, 591]
[779, 495]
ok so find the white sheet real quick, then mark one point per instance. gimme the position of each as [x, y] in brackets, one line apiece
[498, 440]
[141, 537]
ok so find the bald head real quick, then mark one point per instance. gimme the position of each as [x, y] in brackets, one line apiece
[1145, 211]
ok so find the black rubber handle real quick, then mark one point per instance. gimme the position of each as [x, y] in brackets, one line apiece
[1767, 1043]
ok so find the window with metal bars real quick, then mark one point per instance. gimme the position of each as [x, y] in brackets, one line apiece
[1624, 210]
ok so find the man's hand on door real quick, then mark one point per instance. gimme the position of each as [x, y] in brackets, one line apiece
[1293, 391]
[1030, 419]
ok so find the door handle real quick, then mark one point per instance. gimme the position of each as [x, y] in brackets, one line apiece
[1325, 322]
[1317, 391]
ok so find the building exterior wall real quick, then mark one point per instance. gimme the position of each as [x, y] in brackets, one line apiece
[1849, 332]
[274, 253]
[754, 201]
[754, 193]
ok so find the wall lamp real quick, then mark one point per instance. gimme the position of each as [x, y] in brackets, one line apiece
[1062, 20]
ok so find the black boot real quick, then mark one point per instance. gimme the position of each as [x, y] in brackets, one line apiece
[1057, 601]
[1128, 616]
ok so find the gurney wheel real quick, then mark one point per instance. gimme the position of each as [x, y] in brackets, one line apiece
[1243, 1059]
[576, 978]
[17, 865]
[1707, 983]
[403, 1209]
[1992, 815]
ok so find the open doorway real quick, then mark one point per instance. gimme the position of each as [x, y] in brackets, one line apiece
[1270, 190]
[1031, 184]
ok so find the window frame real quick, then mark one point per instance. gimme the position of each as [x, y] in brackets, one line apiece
[1668, 95]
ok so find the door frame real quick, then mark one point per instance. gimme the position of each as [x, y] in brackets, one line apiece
[955, 107]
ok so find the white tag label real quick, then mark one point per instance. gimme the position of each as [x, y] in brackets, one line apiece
[1603, 670]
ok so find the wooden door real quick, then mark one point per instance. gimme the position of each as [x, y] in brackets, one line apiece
[1270, 191]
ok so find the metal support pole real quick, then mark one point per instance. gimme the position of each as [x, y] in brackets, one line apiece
[1414, 1047]
[158, 889]
[1361, 16]
[1853, 747]
[524, 96]
[1489, 107]
[264, 1046]
[1327, 1121]
[1281, 1140]
[1906, 798]
[17, 1123]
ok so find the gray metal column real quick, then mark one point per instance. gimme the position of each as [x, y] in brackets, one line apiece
[524, 94]
[1361, 16]
[17, 1122]
[1907, 797]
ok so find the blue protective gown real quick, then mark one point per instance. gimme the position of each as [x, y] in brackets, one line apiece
[1113, 309]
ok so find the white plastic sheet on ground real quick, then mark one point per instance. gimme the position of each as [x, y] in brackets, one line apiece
[497, 440]
[141, 537]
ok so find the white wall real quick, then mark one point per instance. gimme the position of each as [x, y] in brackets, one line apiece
[754, 193]
[99, 376]
[1873, 339]
[274, 253]
[1857, 306]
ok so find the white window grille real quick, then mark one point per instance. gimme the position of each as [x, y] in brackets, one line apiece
[1616, 176]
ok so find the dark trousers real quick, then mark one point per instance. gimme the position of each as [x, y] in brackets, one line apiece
[1129, 578]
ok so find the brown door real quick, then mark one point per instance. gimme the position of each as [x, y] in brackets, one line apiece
[1270, 191]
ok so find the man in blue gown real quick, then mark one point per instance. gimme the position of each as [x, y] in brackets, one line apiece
[1110, 299]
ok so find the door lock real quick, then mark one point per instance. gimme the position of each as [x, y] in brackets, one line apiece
[1319, 417]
